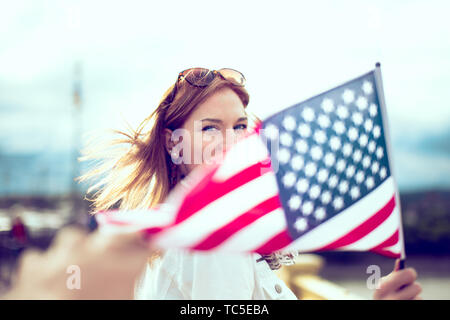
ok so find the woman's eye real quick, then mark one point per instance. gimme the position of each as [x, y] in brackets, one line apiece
[240, 127]
[209, 128]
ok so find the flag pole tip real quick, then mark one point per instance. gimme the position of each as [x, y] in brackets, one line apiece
[377, 64]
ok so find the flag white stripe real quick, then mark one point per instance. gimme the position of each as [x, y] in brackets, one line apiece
[219, 212]
[377, 236]
[256, 234]
[346, 220]
[144, 218]
[241, 156]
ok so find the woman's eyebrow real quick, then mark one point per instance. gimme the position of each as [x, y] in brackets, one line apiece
[242, 119]
[220, 121]
[212, 120]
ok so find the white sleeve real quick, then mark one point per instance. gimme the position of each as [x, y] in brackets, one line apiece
[206, 275]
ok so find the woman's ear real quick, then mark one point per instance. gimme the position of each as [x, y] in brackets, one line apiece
[169, 144]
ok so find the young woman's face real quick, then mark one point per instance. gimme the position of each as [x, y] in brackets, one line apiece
[212, 128]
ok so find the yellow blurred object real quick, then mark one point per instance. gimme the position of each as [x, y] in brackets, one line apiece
[303, 279]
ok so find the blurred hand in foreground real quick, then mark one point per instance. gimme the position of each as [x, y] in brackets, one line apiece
[399, 285]
[81, 266]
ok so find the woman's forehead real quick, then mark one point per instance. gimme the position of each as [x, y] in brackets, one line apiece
[224, 104]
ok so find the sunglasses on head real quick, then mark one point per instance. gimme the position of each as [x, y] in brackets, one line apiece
[202, 77]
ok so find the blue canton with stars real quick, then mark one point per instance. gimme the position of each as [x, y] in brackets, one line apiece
[328, 152]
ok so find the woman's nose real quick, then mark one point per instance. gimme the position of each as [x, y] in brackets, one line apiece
[230, 139]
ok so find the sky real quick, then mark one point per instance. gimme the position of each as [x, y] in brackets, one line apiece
[131, 51]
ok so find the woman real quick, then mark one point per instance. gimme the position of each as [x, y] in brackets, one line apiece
[209, 109]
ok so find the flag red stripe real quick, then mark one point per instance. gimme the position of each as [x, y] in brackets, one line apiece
[279, 241]
[387, 253]
[363, 229]
[220, 235]
[153, 230]
[392, 240]
[198, 198]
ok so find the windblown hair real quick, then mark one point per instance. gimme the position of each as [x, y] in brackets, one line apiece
[133, 170]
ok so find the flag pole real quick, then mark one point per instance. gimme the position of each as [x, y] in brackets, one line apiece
[380, 91]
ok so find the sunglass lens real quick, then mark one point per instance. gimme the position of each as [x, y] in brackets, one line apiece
[233, 76]
[200, 77]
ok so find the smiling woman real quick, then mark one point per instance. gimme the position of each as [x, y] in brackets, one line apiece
[198, 119]
[215, 125]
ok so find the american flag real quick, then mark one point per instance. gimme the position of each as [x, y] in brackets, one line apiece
[313, 177]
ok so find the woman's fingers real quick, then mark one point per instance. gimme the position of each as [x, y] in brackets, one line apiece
[402, 278]
[394, 281]
[409, 292]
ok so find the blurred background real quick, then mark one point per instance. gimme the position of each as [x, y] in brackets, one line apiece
[73, 69]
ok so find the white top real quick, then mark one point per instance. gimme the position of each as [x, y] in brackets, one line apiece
[180, 275]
